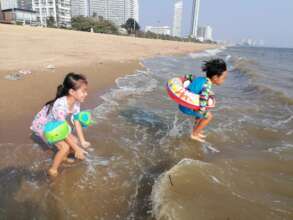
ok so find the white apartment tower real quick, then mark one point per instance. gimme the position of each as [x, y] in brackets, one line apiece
[60, 10]
[80, 8]
[195, 16]
[117, 11]
[205, 33]
[177, 20]
[133, 9]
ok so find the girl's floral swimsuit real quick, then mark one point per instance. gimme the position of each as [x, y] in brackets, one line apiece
[202, 86]
[59, 112]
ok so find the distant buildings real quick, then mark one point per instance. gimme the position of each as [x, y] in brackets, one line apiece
[13, 11]
[1, 14]
[37, 11]
[59, 10]
[19, 15]
[20, 4]
[165, 30]
[117, 11]
[205, 33]
[195, 16]
[249, 42]
[177, 20]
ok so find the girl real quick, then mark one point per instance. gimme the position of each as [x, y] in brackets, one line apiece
[216, 73]
[69, 95]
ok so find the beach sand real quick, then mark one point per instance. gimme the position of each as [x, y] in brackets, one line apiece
[102, 58]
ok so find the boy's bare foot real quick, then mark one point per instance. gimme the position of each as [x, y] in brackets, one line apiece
[52, 172]
[197, 138]
[202, 135]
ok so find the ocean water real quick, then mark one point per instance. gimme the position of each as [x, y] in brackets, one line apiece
[143, 165]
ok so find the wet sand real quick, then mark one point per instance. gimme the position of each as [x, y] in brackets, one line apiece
[102, 58]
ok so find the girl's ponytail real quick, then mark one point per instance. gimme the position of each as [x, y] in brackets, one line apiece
[60, 92]
[71, 81]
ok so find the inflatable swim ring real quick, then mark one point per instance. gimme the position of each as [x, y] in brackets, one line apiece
[176, 88]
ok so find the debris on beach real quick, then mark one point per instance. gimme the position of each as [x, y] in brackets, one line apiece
[18, 75]
[51, 66]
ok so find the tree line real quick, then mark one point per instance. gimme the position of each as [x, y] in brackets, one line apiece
[98, 24]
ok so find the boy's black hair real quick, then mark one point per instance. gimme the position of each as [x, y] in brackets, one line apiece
[214, 67]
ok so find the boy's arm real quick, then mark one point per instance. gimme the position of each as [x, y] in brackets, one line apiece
[203, 99]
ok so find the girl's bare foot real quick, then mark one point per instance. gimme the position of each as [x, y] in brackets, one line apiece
[69, 160]
[52, 172]
[197, 138]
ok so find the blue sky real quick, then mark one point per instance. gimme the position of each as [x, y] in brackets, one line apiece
[232, 20]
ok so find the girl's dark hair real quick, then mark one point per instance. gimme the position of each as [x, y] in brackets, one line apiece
[71, 81]
[214, 67]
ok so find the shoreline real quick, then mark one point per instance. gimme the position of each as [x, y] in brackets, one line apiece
[102, 58]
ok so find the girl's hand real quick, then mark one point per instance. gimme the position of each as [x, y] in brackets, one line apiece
[80, 154]
[85, 144]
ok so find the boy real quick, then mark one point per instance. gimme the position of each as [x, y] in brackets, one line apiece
[216, 73]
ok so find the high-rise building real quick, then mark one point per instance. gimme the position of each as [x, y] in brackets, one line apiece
[20, 4]
[117, 11]
[177, 20]
[63, 13]
[205, 33]
[133, 9]
[80, 8]
[60, 10]
[195, 16]
[25, 4]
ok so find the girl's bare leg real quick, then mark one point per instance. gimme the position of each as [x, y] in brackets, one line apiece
[79, 153]
[63, 151]
[74, 138]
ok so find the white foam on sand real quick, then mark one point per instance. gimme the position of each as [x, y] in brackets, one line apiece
[135, 84]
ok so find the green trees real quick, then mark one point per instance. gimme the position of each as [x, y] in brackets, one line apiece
[131, 26]
[97, 24]
[105, 26]
[51, 22]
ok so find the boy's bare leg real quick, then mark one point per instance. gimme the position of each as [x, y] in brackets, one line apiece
[197, 130]
[201, 134]
[63, 151]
